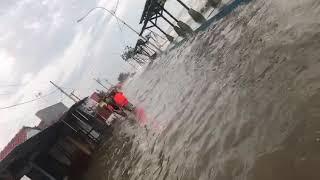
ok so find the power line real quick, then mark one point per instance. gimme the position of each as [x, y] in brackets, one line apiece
[12, 85]
[118, 23]
[6, 93]
[30, 101]
[121, 31]
[116, 8]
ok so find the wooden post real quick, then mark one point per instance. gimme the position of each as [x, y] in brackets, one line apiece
[196, 16]
[170, 38]
[183, 4]
[176, 28]
[181, 24]
[214, 3]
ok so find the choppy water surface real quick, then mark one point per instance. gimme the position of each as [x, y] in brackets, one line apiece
[239, 101]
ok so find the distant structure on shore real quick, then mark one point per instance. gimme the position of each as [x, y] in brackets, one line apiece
[23, 135]
[50, 115]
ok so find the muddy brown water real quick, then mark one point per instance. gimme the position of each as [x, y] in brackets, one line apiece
[240, 101]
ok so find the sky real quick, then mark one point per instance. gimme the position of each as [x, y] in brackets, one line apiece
[40, 41]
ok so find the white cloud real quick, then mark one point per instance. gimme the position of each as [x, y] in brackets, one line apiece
[45, 2]
[35, 26]
[59, 70]
[26, 78]
[6, 36]
[7, 62]
[57, 19]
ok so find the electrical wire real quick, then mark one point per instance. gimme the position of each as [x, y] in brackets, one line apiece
[119, 25]
[30, 101]
[121, 30]
[6, 93]
[12, 85]
[117, 4]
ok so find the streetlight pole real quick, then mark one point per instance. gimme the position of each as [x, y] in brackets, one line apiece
[120, 20]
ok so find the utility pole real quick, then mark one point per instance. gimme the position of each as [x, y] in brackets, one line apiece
[65, 93]
[108, 82]
[99, 82]
[73, 95]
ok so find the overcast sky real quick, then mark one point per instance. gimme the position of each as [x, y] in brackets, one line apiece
[40, 41]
